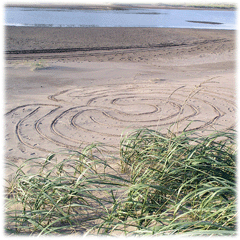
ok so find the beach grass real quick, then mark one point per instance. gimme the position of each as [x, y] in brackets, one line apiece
[168, 184]
[39, 65]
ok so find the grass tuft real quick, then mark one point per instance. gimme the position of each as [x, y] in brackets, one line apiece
[40, 65]
[169, 184]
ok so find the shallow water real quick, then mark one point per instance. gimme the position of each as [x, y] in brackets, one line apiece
[173, 18]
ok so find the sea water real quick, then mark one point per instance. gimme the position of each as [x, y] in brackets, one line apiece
[168, 18]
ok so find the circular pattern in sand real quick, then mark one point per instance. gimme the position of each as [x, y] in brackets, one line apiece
[78, 117]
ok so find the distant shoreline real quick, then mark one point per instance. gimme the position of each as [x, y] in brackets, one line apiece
[226, 7]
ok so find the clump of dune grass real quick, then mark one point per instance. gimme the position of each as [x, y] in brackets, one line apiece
[62, 197]
[178, 184]
[39, 65]
[169, 184]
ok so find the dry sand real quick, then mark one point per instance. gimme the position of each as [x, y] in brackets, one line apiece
[93, 84]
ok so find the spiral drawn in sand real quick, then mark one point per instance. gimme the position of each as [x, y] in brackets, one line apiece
[78, 117]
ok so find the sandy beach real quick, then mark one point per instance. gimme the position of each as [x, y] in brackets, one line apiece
[69, 87]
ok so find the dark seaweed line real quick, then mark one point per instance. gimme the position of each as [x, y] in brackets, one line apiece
[64, 50]
[61, 50]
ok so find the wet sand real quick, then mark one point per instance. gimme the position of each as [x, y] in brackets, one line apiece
[69, 87]
[79, 41]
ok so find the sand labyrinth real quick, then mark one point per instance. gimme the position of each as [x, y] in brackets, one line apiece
[77, 117]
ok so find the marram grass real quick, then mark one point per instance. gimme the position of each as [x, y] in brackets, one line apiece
[167, 185]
